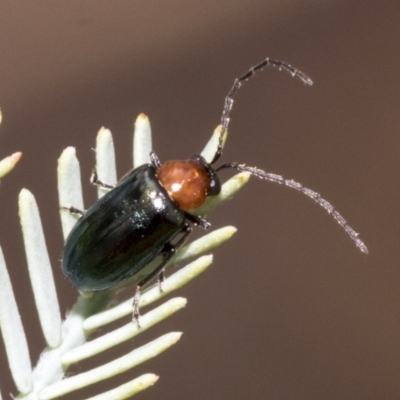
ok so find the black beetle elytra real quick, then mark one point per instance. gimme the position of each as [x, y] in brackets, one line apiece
[146, 215]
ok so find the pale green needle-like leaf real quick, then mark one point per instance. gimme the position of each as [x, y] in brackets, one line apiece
[123, 333]
[128, 389]
[40, 270]
[8, 163]
[150, 295]
[68, 342]
[142, 145]
[228, 190]
[69, 188]
[105, 160]
[202, 245]
[211, 147]
[112, 368]
[13, 333]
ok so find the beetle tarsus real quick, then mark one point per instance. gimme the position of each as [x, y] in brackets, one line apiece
[136, 313]
[95, 181]
[73, 210]
[161, 279]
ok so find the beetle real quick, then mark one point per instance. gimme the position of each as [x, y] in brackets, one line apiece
[146, 215]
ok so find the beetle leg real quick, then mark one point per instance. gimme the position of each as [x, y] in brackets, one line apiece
[166, 257]
[161, 279]
[95, 181]
[73, 210]
[201, 222]
[187, 229]
[167, 253]
[136, 298]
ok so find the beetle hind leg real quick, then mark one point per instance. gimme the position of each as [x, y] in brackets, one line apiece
[167, 253]
[159, 270]
[161, 279]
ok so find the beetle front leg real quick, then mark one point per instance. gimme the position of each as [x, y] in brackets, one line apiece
[199, 221]
[73, 210]
[94, 181]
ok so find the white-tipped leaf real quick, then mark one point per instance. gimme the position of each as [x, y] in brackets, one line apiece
[105, 160]
[112, 368]
[212, 145]
[8, 163]
[142, 145]
[39, 268]
[127, 390]
[203, 245]
[13, 333]
[177, 280]
[152, 294]
[123, 333]
[69, 188]
[228, 190]
[46, 381]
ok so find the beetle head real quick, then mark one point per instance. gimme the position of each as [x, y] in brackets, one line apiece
[189, 182]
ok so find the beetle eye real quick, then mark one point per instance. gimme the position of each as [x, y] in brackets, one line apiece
[215, 186]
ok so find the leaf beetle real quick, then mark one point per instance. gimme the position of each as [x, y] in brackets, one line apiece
[147, 214]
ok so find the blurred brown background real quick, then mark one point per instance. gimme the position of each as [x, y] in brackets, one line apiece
[290, 308]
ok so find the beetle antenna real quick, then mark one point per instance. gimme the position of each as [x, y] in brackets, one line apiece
[308, 192]
[238, 83]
